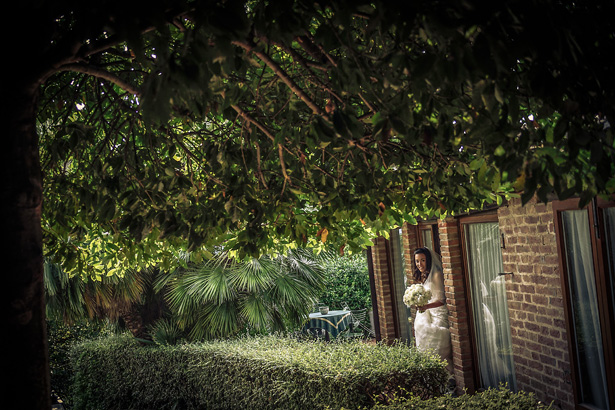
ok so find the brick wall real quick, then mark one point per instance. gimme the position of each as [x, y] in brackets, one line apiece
[534, 293]
[454, 286]
[535, 302]
[383, 285]
[410, 241]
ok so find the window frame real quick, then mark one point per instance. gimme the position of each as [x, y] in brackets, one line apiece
[487, 216]
[435, 234]
[595, 212]
[607, 294]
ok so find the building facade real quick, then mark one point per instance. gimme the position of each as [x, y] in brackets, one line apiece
[530, 293]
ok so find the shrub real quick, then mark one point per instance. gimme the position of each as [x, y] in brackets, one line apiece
[267, 372]
[347, 280]
[490, 399]
[61, 337]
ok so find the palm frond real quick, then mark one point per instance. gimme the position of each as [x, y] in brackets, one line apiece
[209, 283]
[216, 321]
[255, 310]
[253, 275]
[98, 297]
[179, 298]
[131, 285]
[307, 268]
[63, 295]
[166, 331]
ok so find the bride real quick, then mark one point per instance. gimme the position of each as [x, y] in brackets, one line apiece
[431, 324]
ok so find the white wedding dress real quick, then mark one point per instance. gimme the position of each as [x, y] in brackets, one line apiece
[431, 329]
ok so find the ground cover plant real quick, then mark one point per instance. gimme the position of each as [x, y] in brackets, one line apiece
[265, 372]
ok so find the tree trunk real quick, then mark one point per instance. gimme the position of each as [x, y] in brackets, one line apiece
[133, 320]
[25, 360]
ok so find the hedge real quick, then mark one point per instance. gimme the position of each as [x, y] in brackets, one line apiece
[266, 372]
[61, 337]
[348, 281]
[501, 398]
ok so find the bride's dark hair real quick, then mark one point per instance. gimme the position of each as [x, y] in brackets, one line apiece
[417, 272]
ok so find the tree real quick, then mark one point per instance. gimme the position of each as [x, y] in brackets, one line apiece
[169, 126]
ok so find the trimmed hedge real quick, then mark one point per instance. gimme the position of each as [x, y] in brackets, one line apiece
[61, 338]
[348, 281]
[491, 399]
[267, 372]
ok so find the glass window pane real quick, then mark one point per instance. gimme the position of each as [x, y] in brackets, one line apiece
[584, 305]
[489, 305]
[427, 238]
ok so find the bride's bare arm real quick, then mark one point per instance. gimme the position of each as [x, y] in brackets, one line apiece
[431, 305]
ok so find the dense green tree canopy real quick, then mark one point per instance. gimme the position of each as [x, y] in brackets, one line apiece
[166, 126]
[270, 124]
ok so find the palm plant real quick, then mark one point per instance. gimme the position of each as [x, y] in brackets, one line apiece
[129, 298]
[223, 296]
[217, 298]
[64, 295]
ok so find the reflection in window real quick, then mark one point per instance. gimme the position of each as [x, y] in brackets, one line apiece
[489, 305]
[584, 306]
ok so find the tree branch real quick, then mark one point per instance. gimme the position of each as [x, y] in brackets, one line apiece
[265, 131]
[307, 64]
[320, 48]
[103, 74]
[258, 164]
[284, 77]
[251, 120]
[281, 147]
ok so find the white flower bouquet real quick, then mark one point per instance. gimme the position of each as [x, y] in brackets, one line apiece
[416, 295]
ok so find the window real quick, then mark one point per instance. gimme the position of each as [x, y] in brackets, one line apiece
[489, 306]
[429, 236]
[586, 250]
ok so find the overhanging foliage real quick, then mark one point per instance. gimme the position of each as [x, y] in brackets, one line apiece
[271, 124]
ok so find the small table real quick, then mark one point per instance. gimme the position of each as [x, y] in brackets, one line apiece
[333, 323]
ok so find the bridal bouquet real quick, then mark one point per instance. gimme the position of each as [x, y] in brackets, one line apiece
[416, 295]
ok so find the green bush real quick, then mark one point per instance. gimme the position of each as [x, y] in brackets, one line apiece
[267, 372]
[347, 280]
[61, 337]
[491, 399]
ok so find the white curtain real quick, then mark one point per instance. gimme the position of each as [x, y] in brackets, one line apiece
[586, 321]
[489, 305]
